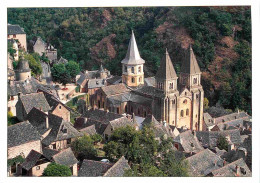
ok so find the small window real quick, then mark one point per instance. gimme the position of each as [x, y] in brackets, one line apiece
[185, 101]
[133, 70]
[38, 167]
[139, 69]
[195, 81]
[187, 112]
[65, 131]
[138, 111]
[182, 113]
[8, 36]
[125, 69]
[117, 110]
[197, 96]
[140, 79]
[133, 80]
[59, 107]
[14, 36]
[173, 103]
[176, 146]
[144, 113]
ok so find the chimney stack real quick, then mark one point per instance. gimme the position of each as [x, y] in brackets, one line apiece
[164, 123]
[47, 121]
[237, 170]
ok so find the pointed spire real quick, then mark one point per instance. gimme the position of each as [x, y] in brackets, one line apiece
[166, 70]
[190, 64]
[132, 56]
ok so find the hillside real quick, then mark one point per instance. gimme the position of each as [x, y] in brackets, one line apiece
[220, 36]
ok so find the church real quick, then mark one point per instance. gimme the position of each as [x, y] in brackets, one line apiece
[175, 100]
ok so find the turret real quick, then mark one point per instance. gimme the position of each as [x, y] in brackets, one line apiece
[23, 71]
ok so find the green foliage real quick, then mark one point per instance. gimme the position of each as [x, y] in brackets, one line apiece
[72, 68]
[83, 147]
[57, 71]
[206, 103]
[96, 138]
[34, 64]
[16, 160]
[56, 170]
[44, 58]
[222, 143]
[65, 78]
[10, 49]
[11, 120]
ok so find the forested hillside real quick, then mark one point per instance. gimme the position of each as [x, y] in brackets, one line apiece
[220, 36]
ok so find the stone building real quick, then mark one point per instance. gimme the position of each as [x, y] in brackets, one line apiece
[23, 71]
[17, 33]
[178, 102]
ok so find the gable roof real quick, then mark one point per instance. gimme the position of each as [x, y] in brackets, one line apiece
[230, 170]
[37, 118]
[36, 100]
[132, 56]
[91, 130]
[189, 142]
[115, 89]
[91, 168]
[149, 81]
[58, 125]
[122, 122]
[150, 119]
[21, 133]
[166, 70]
[210, 138]
[190, 64]
[14, 29]
[118, 169]
[65, 157]
[82, 80]
[96, 83]
[203, 163]
[114, 80]
[231, 117]
[49, 153]
[32, 158]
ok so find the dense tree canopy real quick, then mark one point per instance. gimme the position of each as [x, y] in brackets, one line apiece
[56, 170]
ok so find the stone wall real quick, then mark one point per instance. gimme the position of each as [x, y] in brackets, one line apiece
[62, 112]
[21, 38]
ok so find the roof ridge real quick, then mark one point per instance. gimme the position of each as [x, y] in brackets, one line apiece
[120, 159]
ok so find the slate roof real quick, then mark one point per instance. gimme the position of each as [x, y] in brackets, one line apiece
[118, 99]
[132, 56]
[115, 89]
[61, 61]
[36, 100]
[57, 125]
[23, 66]
[14, 29]
[190, 64]
[49, 153]
[91, 168]
[91, 130]
[230, 170]
[189, 142]
[209, 138]
[96, 83]
[122, 122]
[231, 117]
[166, 70]
[32, 159]
[21, 133]
[149, 81]
[65, 157]
[149, 91]
[149, 120]
[203, 163]
[208, 119]
[24, 87]
[118, 169]
[114, 80]
[82, 80]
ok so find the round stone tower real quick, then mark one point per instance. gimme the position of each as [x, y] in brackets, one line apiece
[23, 71]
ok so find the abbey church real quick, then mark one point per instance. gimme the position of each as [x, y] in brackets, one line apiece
[175, 100]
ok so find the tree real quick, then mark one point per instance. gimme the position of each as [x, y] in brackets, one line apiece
[73, 69]
[65, 79]
[11, 50]
[84, 148]
[56, 170]
[222, 143]
[57, 71]
[35, 66]
[206, 103]
[96, 138]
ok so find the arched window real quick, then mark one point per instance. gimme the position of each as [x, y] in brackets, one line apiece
[140, 79]
[195, 81]
[187, 112]
[182, 113]
[197, 96]
[139, 69]
[185, 101]
[173, 103]
[133, 70]
[133, 80]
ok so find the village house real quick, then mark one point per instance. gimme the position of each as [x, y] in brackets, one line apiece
[34, 164]
[21, 139]
[90, 168]
[177, 103]
[67, 158]
[17, 33]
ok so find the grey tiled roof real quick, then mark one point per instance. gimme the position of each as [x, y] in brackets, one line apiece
[209, 138]
[91, 130]
[230, 170]
[57, 125]
[166, 69]
[189, 142]
[90, 168]
[118, 169]
[49, 153]
[132, 56]
[36, 100]
[149, 81]
[25, 87]
[21, 133]
[114, 80]
[82, 80]
[232, 117]
[149, 120]
[122, 122]
[65, 157]
[14, 29]
[61, 61]
[208, 119]
[23, 66]
[190, 64]
[115, 89]
[118, 99]
[203, 163]
[96, 83]
[149, 91]
[32, 158]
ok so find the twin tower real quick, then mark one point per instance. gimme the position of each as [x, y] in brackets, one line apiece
[182, 101]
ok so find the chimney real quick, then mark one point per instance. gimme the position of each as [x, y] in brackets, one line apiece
[224, 162]
[164, 123]
[47, 122]
[237, 170]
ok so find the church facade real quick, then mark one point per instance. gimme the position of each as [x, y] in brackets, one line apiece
[178, 101]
